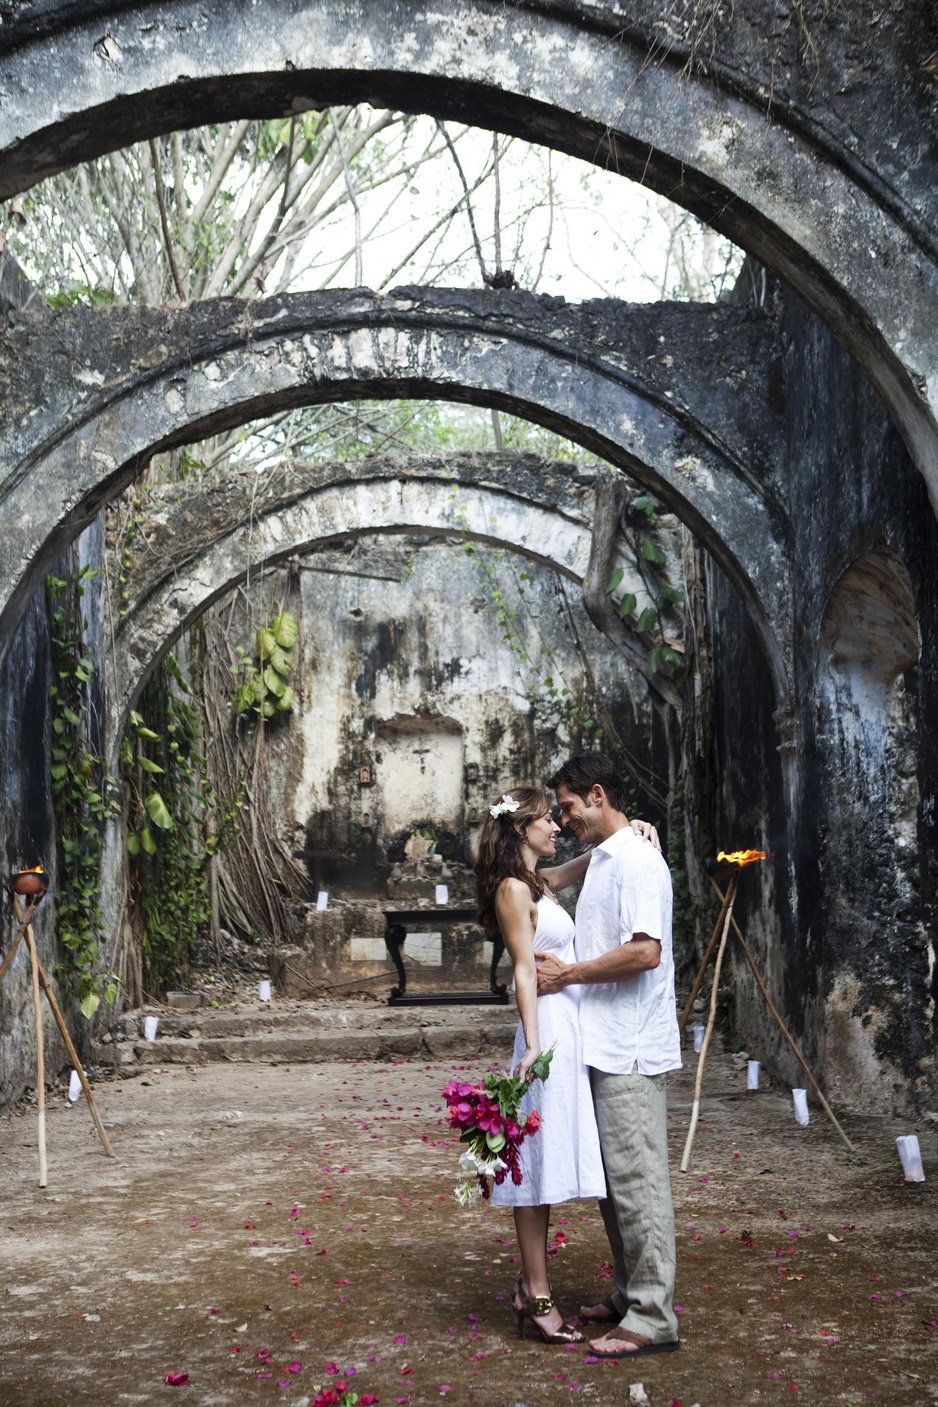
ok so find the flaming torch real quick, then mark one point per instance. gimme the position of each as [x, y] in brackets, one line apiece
[729, 863]
[32, 884]
[740, 857]
[733, 860]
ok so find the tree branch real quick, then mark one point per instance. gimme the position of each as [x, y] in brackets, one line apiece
[164, 222]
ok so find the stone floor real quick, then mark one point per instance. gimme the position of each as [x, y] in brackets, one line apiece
[267, 1223]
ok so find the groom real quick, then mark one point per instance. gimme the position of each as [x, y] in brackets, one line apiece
[628, 1026]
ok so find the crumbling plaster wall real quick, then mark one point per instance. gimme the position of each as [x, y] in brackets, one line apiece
[391, 667]
[842, 916]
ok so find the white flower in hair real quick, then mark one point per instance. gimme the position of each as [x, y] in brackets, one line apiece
[507, 803]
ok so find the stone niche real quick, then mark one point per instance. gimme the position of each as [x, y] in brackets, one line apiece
[419, 775]
[868, 744]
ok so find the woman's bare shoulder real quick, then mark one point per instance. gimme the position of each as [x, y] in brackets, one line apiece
[513, 892]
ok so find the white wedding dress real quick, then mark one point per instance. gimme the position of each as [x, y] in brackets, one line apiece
[562, 1160]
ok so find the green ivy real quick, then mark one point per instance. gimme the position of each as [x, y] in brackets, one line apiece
[81, 794]
[267, 689]
[169, 840]
[685, 910]
[663, 658]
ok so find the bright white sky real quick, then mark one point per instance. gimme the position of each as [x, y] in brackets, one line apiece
[567, 228]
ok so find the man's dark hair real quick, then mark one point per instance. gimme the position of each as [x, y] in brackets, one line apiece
[589, 769]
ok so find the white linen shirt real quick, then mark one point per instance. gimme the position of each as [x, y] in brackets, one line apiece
[629, 1025]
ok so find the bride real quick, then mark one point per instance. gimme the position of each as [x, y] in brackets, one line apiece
[562, 1161]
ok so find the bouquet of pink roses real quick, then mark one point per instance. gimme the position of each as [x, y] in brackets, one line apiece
[488, 1117]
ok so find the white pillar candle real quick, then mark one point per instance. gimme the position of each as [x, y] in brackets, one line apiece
[698, 1038]
[752, 1075]
[74, 1087]
[322, 900]
[911, 1156]
[150, 1024]
[442, 894]
[800, 1096]
[263, 990]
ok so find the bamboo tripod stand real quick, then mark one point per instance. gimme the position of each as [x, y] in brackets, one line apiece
[721, 930]
[24, 918]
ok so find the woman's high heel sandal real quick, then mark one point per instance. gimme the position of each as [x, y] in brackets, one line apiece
[534, 1307]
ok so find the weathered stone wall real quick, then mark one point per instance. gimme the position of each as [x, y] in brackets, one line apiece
[805, 133]
[27, 825]
[411, 679]
[843, 913]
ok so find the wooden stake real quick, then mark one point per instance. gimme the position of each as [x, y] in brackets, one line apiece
[711, 1018]
[40, 1057]
[698, 980]
[22, 920]
[783, 1028]
[39, 974]
[73, 1056]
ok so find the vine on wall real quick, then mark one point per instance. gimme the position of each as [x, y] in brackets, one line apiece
[267, 689]
[649, 623]
[175, 822]
[82, 793]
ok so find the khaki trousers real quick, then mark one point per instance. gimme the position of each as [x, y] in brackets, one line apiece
[631, 1111]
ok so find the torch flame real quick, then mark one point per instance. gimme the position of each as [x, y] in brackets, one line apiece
[36, 869]
[741, 857]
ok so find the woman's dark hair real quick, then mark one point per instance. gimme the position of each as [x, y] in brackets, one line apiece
[500, 851]
[589, 769]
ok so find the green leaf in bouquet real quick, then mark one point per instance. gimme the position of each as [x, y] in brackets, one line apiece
[541, 1067]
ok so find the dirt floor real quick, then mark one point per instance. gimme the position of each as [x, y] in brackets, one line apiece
[263, 1228]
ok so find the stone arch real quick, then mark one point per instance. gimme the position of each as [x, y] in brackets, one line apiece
[334, 513]
[506, 501]
[820, 200]
[602, 376]
[868, 740]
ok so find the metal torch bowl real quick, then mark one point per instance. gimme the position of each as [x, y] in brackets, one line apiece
[32, 884]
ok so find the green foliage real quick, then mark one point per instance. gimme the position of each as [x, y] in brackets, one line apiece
[76, 292]
[81, 795]
[173, 830]
[508, 1091]
[685, 910]
[266, 690]
[663, 658]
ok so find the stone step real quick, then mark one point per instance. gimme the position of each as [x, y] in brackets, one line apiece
[313, 1032]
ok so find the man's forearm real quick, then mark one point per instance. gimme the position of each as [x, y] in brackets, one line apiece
[618, 965]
